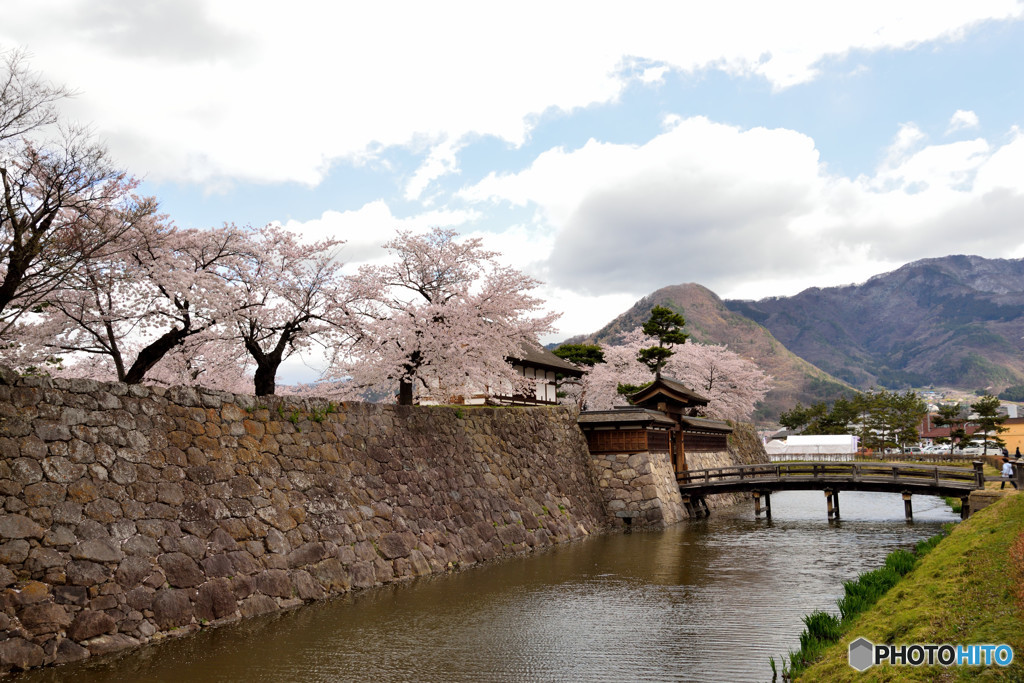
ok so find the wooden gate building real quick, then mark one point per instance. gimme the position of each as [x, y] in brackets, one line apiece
[661, 420]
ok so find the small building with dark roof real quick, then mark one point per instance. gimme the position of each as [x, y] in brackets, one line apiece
[669, 396]
[627, 430]
[662, 419]
[701, 435]
[538, 363]
[533, 362]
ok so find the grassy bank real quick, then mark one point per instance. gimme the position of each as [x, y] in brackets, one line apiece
[968, 589]
[823, 629]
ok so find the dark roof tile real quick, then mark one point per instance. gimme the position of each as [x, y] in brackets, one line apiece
[539, 356]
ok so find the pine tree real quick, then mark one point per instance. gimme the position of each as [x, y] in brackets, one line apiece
[950, 416]
[667, 327]
[989, 420]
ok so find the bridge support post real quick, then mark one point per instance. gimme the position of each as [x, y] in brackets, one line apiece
[965, 507]
[765, 498]
[828, 503]
[835, 503]
[979, 473]
[908, 508]
[696, 506]
[704, 504]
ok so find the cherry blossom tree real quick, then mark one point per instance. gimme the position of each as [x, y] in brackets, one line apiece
[620, 366]
[207, 360]
[154, 290]
[203, 360]
[61, 205]
[441, 320]
[289, 296]
[732, 385]
[61, 199]
[572, 390]
[27, 99]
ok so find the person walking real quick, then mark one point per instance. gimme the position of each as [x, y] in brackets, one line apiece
[1007, 474]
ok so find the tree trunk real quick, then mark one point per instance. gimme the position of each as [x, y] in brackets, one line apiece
[151, 355]
[266, 378]
[405, 392]
[405, 384]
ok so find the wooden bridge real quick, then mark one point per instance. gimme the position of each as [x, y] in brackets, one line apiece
[830, 477]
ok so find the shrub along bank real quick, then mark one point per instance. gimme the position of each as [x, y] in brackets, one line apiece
[968, 590]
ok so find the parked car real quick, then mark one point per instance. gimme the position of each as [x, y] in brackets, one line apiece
[913, 450]
[978, 448]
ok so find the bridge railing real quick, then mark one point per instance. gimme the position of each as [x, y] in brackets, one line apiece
[846, 471]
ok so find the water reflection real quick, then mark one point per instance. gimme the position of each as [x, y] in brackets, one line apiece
[706, 600]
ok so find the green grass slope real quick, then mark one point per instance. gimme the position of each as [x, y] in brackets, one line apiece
[965, 591]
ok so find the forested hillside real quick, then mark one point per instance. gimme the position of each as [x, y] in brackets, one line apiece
[954, 321]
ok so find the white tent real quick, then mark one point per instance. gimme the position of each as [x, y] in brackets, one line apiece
[826, 446]
[821, 444]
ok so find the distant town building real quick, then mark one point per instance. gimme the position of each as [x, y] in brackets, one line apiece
[1014, 434]
[928, 432]
[1010, 410]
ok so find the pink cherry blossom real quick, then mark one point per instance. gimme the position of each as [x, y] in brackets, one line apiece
[440, 321]
[732, 384]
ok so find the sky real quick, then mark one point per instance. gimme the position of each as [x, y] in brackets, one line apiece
[607, 149]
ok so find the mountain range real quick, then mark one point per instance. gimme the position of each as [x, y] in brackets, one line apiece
[955, 321]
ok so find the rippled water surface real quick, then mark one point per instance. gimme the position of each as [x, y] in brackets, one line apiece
[707, 600]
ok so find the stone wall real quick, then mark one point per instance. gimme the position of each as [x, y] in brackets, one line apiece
[133, 513]
[745, 448]
[640, 487]
[644, 484]
[979, 500]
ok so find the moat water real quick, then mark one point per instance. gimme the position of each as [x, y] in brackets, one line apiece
[706, 600]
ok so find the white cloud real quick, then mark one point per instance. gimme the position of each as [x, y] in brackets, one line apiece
[1002, 170]
[259, 91]
[631, 218]
[945, 166]
[442, 160]
[962, 119]
[582, 314]
[751, 212]
[908, 138]
[367, 228]
[133, 30]
[526, 248]
[653, 74]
